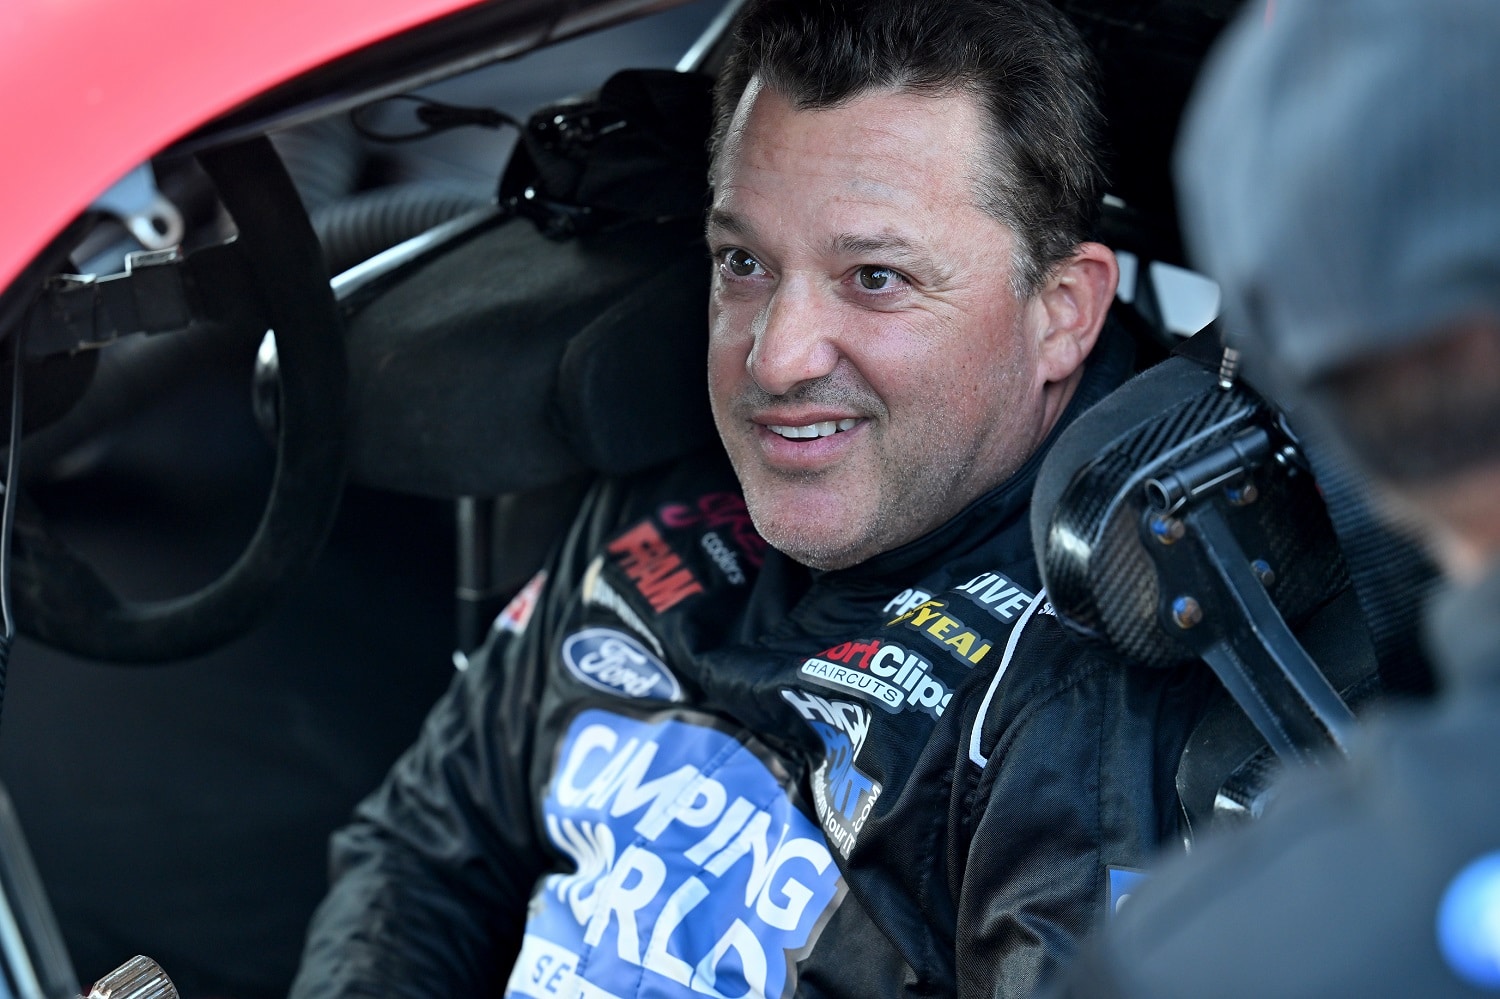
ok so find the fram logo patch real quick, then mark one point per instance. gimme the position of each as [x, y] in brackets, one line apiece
[693, 872]
[932, 619]
[896, 677]
[842, 795]
[654, 567]
[612, 661]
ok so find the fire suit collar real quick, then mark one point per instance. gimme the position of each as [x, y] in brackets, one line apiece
[1463, 633]
[1007, 504]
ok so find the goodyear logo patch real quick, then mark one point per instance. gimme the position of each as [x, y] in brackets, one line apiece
[935, 622]
[694, 874]
[612, 661]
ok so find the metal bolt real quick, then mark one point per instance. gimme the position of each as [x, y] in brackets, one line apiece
[1243, 494]
[1167, 529]
[1263, 572]
[1186, 612]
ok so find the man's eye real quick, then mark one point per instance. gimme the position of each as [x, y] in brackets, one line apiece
[740, 263]
[872, 278]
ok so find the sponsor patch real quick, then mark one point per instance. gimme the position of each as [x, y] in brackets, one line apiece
[996, 593]
[656, 570]
[612, 661]
[719, 512]
[935, 622]
[598, 593]
[905, 601]
[1468, 923]
[694, 873]
[725, 559]
[1122, 882]
[842, 795]
[894, 676]
[517, 613]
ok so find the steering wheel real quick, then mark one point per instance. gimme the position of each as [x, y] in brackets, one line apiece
[61, 600]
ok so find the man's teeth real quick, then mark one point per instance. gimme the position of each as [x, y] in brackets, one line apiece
[824, 429]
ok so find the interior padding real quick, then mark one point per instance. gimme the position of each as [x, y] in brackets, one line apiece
[513, 361]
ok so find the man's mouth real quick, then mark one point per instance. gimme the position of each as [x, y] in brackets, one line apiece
[827, 428]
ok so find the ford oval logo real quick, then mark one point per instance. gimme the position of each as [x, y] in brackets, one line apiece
[613, 661]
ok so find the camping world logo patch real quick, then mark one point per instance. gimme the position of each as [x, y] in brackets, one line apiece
[612, 661]
[693, 873]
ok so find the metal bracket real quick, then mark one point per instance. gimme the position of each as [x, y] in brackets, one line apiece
[160, 291]
[1221, 608]
[141, 207]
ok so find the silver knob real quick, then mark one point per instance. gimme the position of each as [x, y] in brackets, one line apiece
[138, 978]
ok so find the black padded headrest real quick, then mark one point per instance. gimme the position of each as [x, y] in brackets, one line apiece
[511, 361]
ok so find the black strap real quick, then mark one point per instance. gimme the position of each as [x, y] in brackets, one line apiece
[1392, 576]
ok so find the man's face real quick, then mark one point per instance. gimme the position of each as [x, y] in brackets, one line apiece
[870, 368]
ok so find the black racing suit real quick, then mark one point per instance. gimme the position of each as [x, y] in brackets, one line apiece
[686, 765]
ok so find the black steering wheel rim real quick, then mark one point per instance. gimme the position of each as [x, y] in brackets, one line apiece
[61, 600]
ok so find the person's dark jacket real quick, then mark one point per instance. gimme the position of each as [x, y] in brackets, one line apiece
[1379, 878]
[693, 766]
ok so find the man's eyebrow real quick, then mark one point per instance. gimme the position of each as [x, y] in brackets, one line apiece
[848, 244]
[728, 223]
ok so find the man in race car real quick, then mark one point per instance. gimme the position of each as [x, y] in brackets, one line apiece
[826, 738]
[1340, 174]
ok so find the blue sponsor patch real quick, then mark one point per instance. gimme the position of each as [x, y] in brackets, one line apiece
[1468, 923]
[843, 796]
[612, 661]
[693, 872]
[1122, 882]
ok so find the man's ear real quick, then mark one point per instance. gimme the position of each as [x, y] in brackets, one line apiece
[1076, 299]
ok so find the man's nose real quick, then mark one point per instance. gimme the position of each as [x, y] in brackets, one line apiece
[794, 341]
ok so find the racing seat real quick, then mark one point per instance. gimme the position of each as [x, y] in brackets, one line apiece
[1186, 518]
[507, 357]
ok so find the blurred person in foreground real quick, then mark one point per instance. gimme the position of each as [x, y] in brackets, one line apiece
[825, 739]
[1340, 176]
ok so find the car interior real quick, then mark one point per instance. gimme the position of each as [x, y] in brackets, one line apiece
[245, 563]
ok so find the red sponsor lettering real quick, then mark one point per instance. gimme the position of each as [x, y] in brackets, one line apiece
[848, 652]
[656, 570]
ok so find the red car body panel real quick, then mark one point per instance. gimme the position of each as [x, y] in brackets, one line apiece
[95, 87]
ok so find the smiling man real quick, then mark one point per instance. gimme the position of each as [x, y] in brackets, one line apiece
[872, 366]
[803, 723]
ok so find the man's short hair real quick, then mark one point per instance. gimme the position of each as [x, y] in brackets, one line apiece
[1023, 61]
